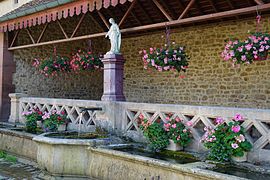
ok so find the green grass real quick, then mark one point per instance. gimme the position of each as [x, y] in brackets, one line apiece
[9, 158]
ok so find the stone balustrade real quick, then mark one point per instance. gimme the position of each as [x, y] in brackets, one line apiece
[121, 118]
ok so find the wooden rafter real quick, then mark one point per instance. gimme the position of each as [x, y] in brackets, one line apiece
[14, 38]
[62, 29]
[213, 5]
[30, 35]
[178, 22]
[104, 19]
[186, 9]
[78, 25]
[160, 7]
[144, 12]
[42, 33]
[259, 2]
[127, 12]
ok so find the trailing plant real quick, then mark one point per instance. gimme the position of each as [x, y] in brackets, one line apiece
[170, 58]
[154, 133]
[85, 61]
[32, 117]
[177, 131]
[226, 140]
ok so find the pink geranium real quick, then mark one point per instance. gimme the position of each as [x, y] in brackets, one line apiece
[236, 128]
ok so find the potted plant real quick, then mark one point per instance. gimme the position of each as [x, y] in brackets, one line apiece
[154, 133]
[227, 141]
[179, 136]
[32, 117]
[54, 121]
[170, 58]
[85, 61]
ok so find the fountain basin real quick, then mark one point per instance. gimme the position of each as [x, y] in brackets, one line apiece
[115, 164]
[60, 156]
[19, 143]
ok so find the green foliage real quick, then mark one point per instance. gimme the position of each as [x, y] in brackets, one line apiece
[9, 158]
[31, 120]
[53, 120]
[226, 140]
[155, 134]
[178, 132]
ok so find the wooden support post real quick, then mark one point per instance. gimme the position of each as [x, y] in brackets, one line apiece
[104, 20]
[259, 2]
[186, 9]
[7, 68]
[127, 12]
[162, 10]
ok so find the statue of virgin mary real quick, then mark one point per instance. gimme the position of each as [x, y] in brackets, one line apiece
[115, 37]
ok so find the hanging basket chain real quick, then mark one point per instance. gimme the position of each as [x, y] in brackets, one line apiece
[258, 20]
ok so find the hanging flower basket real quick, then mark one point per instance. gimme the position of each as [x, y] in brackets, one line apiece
[172, 58]
[85, 61]
[53, 65]
[255, 48]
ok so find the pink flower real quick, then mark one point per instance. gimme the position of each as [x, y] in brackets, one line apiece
[240, 138]
[184, 131]
[174, 126]
[141, 116]
[189, 123]
[177, 119]
[234, 145]
[236, 128]
[219, 120]
[243, 58]
[248, 46]
[238, 117]
[240, 49]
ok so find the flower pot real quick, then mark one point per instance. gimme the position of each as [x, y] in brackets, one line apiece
[262, 58]
[39, 124]
[240, 159]
[62, 127]
[173, 146]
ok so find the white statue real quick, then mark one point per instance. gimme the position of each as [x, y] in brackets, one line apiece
[115, 37]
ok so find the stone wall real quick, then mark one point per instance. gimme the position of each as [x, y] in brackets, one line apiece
[74, 86]
[208, 81]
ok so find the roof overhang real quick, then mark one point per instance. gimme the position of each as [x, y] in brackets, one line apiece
[52, 11]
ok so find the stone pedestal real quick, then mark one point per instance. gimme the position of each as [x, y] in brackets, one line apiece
[15, 107]
[113, 77]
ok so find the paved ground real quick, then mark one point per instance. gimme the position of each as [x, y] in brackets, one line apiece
[26, 170]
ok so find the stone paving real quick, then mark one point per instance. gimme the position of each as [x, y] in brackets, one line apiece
[26, 170]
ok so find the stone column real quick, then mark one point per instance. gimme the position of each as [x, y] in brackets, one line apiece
[15, 107]
[7, 68]
[113, 77]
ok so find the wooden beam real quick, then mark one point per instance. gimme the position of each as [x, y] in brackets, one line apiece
[230, 13]
[30, 35]
[15, 37]
[186, 9]
[104, 19]
[162, 10]
[213, 5]
[127, 12]
[144, 12]
[259, 2]
[78, 25]
[42, 33]
[62, 29]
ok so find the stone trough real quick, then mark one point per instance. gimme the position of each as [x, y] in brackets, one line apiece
[18, 143]
[67, 157]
